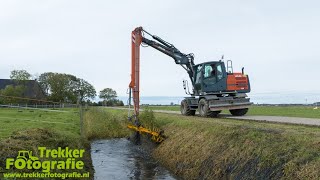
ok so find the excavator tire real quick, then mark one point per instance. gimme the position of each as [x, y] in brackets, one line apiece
[239, 112]
[185, 109]
[204, 109]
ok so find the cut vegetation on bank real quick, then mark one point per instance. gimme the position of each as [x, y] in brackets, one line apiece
[209, 148]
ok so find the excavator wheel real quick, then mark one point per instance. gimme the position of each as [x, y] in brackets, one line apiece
[239, 112]
[185, 109]
[204, 109]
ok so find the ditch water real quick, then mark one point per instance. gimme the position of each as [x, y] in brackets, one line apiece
[121, 159]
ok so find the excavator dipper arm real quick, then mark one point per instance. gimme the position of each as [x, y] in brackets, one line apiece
[134, 90]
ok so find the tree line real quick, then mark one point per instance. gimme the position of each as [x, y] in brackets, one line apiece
[60, 87]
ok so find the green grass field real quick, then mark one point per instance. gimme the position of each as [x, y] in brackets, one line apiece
[24, 129]
[12, 119]
[290, 111]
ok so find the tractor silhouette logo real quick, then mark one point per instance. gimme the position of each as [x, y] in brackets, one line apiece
[27, 155]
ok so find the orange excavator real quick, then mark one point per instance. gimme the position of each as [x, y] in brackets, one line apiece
[215, 87]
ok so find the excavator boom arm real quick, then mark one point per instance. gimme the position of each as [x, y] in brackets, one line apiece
[185, 60]
[134, 86]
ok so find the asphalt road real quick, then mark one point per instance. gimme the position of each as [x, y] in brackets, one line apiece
[275, 119]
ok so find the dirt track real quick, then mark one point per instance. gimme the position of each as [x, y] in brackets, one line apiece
[276, 119]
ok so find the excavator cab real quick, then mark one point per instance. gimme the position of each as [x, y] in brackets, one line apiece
[210, 77]
[214, 77]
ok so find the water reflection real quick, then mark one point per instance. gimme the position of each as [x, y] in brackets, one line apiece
[120, 159]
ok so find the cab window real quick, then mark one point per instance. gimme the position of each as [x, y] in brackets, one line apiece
[207, 71]
[219, 72]
[209, 74]
[198, 74]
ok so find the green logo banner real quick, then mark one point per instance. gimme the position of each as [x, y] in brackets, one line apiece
[67, 159]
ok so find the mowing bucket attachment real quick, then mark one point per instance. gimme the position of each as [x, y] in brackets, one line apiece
[156, 134]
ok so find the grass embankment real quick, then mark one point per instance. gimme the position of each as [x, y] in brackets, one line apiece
[219, 148]
[101, 124]
[290, 111]
[29, 129]
[205, 148]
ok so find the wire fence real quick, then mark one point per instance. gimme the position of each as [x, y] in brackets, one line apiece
[34, 103]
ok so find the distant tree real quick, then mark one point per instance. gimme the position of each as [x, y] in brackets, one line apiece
[108, 94]
[43, 81]
[120, 103]
[115, 102]
[20, 75]
[109, 98]
[61, 88]
[100, 103]
[111, 102]
[85, 90]
[66, 87]
[10, 90]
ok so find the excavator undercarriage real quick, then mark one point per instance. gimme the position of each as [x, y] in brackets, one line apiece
[212, 105]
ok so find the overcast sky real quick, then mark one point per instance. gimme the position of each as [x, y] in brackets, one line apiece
[276, 41]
